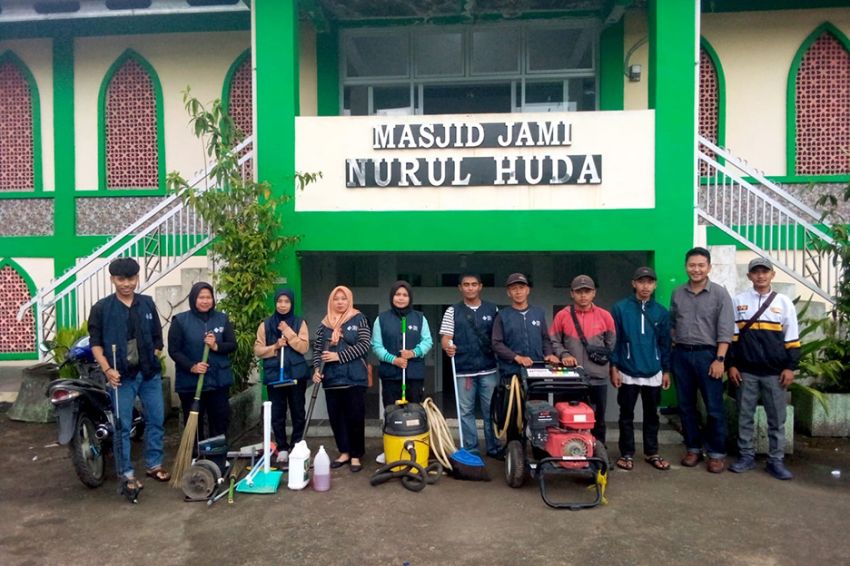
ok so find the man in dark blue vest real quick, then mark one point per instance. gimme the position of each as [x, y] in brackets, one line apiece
[126, 338]
[520, 332]
[465, 333]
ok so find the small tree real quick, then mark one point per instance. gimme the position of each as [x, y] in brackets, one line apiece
[242, 214]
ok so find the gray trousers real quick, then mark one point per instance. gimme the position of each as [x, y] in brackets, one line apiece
[773, 400]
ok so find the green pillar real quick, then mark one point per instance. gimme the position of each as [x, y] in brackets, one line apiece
[673, 37]
[611, 55]
[327, 75]
[275, 47]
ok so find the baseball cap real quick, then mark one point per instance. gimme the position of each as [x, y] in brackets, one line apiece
[582, 282]
[759, 262]
[644, 272]
[516, 278]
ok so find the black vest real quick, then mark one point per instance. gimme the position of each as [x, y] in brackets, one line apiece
[353, 372]
[473, 330]
[522, 335]
[392, 339]
[115, 319]
[219, 375]
[294, 364]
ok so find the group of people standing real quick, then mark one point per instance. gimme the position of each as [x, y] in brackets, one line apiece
[754, 339]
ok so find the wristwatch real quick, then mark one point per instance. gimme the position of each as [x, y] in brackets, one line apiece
[720, 359]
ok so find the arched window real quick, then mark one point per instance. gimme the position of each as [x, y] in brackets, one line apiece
[132, 152]
[18, 337]
[238, 96]
[20, 142]
[819, 86]
[710, 97]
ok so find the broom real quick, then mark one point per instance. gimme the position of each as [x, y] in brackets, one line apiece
[184, 454]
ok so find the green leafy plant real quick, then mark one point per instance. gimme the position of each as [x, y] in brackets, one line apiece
[243, 215]
[62, 341]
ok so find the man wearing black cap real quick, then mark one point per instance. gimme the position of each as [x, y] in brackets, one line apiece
[126, 337]
[640, 366]
[764, 354]
[519, 331]
[583, 334]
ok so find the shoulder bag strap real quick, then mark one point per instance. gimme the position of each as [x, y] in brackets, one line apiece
[758, 313]
[578, 327]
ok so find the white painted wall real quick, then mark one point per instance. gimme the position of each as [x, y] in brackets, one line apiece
[37, 54]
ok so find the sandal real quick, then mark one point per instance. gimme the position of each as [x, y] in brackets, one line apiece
[133, 484]
[657, 462]
[159, 474]
[625, 463]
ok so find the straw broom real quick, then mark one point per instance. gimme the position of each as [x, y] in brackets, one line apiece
[190, 432]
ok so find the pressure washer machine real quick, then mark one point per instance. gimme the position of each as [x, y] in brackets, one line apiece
[544, 420]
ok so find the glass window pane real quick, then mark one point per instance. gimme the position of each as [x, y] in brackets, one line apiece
[560, 49]
[355, 101]
[439, 54]
[544, 97]
[379, 55]
[466, 99]
[392, 100]
[495, 51]
[581, 94]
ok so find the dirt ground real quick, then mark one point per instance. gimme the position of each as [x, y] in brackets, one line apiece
[682, 516]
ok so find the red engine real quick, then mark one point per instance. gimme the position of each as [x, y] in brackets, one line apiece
[572, 437]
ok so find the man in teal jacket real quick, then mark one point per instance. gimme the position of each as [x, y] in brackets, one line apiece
[640, 366]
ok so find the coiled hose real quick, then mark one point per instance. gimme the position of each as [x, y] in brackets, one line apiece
[413, 476]
[442, 443]
[514, 398]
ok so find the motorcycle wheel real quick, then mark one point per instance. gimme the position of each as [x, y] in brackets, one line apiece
[87, 453]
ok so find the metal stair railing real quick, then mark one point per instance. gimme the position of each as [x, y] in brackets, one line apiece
[766, 219]
[160, 240]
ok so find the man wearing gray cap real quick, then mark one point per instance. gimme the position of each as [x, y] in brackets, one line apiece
[764, 354]
[583, 334]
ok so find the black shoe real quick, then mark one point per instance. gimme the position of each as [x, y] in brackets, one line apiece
[338, 464]
[497, 455]
[356, 468]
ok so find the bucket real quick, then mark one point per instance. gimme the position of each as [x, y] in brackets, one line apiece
[299, 466]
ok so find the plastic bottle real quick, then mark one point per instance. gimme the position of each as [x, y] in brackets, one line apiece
[299, 465]
[322, 470]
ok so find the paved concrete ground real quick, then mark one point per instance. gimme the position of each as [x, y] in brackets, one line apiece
[681, 516]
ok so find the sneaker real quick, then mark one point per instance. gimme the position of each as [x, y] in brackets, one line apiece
[381, 458]
[743, 464]
[778, 470]
[283, 459]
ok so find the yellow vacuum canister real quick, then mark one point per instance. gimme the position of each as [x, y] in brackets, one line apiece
[405, 427]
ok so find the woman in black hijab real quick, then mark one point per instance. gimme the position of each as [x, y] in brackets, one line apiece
[284, 334]
[401, 338]
[190, 331]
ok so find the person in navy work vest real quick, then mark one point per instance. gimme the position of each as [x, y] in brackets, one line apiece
[339, 361]
[190, 331]
[465, 336]
[130, 323]
[520, 333]
[285, 334]
[399, 348]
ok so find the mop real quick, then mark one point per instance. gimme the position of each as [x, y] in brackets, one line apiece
[262, 479]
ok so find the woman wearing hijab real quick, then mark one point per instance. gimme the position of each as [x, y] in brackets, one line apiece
[339, 362]
[190, 331]
[286, 334]
[401, 347]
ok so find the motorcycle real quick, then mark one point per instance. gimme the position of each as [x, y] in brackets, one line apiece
[85, 414]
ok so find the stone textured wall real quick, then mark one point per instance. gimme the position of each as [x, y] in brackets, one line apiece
[26, 217]
[110, 215]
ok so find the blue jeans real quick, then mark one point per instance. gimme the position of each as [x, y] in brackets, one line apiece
[690, 369]
[469, 389]
[150, 393]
